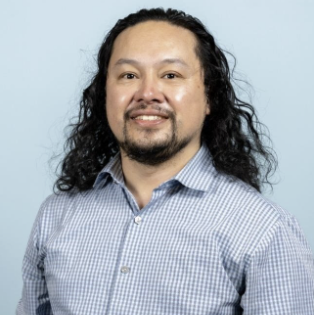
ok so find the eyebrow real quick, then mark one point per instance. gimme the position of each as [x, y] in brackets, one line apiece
[122, 61]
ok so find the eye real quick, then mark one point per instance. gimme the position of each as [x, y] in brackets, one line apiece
[170, 76]
[128, 76]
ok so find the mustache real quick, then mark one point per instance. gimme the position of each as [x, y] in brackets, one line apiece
[169, 113]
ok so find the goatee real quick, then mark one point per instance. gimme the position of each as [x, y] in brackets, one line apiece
[153, 153]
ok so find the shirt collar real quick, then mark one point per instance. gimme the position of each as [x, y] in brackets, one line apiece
[113, 168]
[199, 173]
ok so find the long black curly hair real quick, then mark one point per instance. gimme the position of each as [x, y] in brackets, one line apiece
[232, 131]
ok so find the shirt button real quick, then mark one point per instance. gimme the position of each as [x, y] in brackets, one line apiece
[137, 220]
[125, 269]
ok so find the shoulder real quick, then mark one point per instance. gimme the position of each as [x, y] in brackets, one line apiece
[249, 219]
[247, 201]
[57, 209]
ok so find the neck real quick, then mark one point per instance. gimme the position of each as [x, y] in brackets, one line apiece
[142, 179]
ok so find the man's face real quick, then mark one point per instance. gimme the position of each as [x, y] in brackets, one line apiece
[156, 102]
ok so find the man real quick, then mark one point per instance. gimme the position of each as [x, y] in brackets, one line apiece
[158, 209]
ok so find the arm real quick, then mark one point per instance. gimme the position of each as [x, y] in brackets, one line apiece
[35, 298]
[280, 277]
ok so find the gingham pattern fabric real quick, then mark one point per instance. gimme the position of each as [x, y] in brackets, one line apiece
[205, 244]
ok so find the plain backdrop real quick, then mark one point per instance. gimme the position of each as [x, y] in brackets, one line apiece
[48, 53]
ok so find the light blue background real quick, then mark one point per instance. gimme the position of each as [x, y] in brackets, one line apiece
[47, 56]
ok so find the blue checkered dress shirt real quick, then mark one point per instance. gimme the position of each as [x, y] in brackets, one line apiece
[205, 244]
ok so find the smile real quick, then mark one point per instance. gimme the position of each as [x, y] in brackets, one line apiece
[148, 117]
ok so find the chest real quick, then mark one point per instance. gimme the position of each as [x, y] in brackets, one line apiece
[167, 259]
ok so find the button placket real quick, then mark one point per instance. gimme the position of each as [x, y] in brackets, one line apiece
[126, 269]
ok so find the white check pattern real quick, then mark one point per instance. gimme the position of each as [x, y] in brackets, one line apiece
[205, 244]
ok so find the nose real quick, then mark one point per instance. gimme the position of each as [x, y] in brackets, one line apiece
[149, 90]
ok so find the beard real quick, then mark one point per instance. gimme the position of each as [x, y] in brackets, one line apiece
[153, 152]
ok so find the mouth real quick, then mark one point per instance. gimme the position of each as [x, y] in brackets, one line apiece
[148, 117]
[152, 120]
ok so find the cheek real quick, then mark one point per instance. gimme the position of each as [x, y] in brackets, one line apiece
[192, 94]
[114, 116]
[191, 107]
[179, 94]
[115, 97]
[116, 104]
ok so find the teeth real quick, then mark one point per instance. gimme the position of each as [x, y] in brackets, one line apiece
[147, 117]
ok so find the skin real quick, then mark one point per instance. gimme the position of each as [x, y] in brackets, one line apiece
[154, 71]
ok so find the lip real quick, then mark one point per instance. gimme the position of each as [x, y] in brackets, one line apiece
[150, 112]
[149, 123]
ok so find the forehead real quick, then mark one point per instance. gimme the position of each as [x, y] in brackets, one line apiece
[153, 40]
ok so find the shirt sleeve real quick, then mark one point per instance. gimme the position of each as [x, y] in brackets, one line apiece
[35, 297]
[280, 276]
